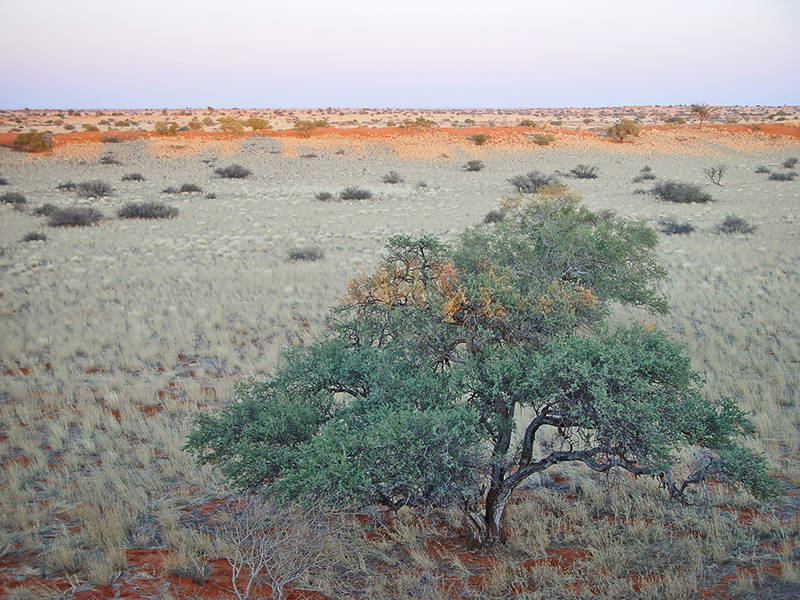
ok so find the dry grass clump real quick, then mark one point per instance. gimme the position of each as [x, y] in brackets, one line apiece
[715, 174]
[74, 216]
[790, 163]
[67, 186]
[645, 174]
[788, 176]
[233, 172]
[44, 210]
[479, 138]
[324, 196]
[584, 172]
[355, 193]
[109, 159]
[762, 169]
[34, 236]
[734, 224]
[190, 188]
[543, 139]
[623, 129]
[531, 182]
[94, 189]
[673, 227]
[474, 166]
[392, 177]
[684, 193]
[309, 254]
[133, 177]
[33, 141]
[147, 210]
[14, 198]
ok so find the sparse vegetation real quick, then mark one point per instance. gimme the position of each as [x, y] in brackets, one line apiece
[110, 139]
[67, 186]
[35, 236]
[734, 224]
[543, 139]
[703, 111]
[474, 166]
[790, 163]
[532, 182]
[14, 198]
[392, 177]
[788, 176]
[3, 181]
[673, 191]
[44, 210]
[164, 128]
[94, 189]
[418, 122]
[715, 174]
[528, 123]
[479, 138]
[305, 127]
[133, 177]
[109, 159]
[584, 172]
[623, 129]
[494, 216]
[256, 123]
[190, 188]
[355, 193]
[673, 227]
[147, 210]
[762, 169]
[74, 216]
[233, 172]
[324, 196]
[231, 126]
[645, 174]
[33, 141]
[305, 254]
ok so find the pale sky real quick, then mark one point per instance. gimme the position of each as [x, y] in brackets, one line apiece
[412, 53]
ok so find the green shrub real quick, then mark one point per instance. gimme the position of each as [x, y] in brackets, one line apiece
[33, 141]
[14, 198]
[623, 129]
[133, 177]
[74, 216]
[231, 126]
[418, 122]
[355, 193]
[789, 176]
[195, 125]
[256, 124]
[734, 224]
[34, 236]
[305, 127]
[494, 216]
[233, 172]
[90, 127]
[474, 166]
[532, 182]
[147, 210]
[584, 172]
[392, 177]
[673, 227]
[703, 111]
[305, 254]
[528, 123]
[94, 189]
[543, 139]
[673, 191]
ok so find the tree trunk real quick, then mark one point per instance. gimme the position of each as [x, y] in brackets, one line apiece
[486, 526]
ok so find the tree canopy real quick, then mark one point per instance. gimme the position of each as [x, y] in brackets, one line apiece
[439, 370]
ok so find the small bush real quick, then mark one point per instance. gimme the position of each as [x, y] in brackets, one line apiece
[108, 159]
[14, 198]
[789, 163]
[532, 182]
[195, 125]
[782, 176]
[584, 172]
[494, 216]
[94, 189]
[543, 139]
[133, 177]
[164, 128]
[418, 122]
[306, 127]
[479, 138]
[255, 123]
[734, 224]
[147, 210]
[35, 236]
[44, 210]
[90, 127]
[474, 165]
[623, 129]
[324, 196]
[673, 227]
[190, 188]
[673, 191]
[528, 123]
[211, 196]
[355, 193]
[762, 169]
[170, 190]
[675, 120]
[3, 181]
[306, 254]
[644, 176]
[74, 216]
[392, 177]
[715, 174]
[69, 186]
[110, 139]
[231, 126]
[33, 141]
[233, 172]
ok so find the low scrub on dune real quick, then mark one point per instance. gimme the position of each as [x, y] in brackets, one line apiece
[233, 172]
[392, 177]
[13, 198]
[684, 193]
[623, 129]
[584, 172]
[147, 210]
[433, 365]
[74, 216]
[733, 224]
[531, 182]
[133, 177]
[33, 141]
[473, 166]
[94, 189]
[355, 193]
[788, 176]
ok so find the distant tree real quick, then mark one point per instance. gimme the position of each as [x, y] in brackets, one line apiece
[703, 111]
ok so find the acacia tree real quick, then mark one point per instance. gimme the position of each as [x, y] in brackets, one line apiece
[703, 111]
[440, 372]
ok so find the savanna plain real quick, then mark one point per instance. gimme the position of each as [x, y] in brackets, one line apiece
[116, 334]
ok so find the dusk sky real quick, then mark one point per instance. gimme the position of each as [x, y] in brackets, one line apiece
[369, 53]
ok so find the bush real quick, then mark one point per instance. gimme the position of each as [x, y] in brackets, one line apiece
[675, 120]
[584, 172]
[211, 196]
[645, 174]
[532, 182]
[195, 125]
[14, 198]
[789, 163]
[89, 127]
[164, 128]
[33, 141]
[3, 181]
[479, 138]
[74, 216]
[623, 129]
[494, 216]
[231, 126]
[68, 186]
[355, 193]
[703, 111]
[108, 159]
[418, 122]
[734, 224]
[94, 189]
[233, 172]
[673, 191]
[306, 127]
[256, 124]
[324, 196]
[170, 190]
[190, 188]
[110, 139]
[673, 227]
[392, 177]
[44, 210]
[305, 254]
[133, 177]
[474, 165]
[715, 174]
[35, 236]
[782, 176]
[543, 139]
[528, 123]
[147, 210]
[762, 169]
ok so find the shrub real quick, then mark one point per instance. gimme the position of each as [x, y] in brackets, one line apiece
[645, 174]
[3, 181]
[35, 236]
[675, 120]
[108, 159]
[703, 111]
[734, 224]
[715, 174]
[418, 122]
[543, 139]
[44, 210]
[305, 127]
[391, 406]
[256, 124]
[532, 182]
[89, 127]
[305, 254]
[494, 216]
[14, 198]
[147, 210]
[324, 196]
[231, 126]
[762, 169]
[110, 139]
[392, 177]
[584, 172]
[789, 176]
[195, 125]
[170, 190]
[623, 129]
[355, 193]
[94, 189]
[68, 186]
[479, 138]
[789, 163]
[33, 141]
[190, 188]
[211, 196]
[673, 227]
[673, 191]
[74, 216]
[133, 177]
[164, 128]
[122, 123]
[474, 165]
[233, 172]
[528, 123]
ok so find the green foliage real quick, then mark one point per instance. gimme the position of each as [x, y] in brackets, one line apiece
[33, 141]
[231, 126]
[528, 123]
[623, 129]
[305, 127]
[355, 193]
[256, 124]
[418, 122]
[703, 111]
